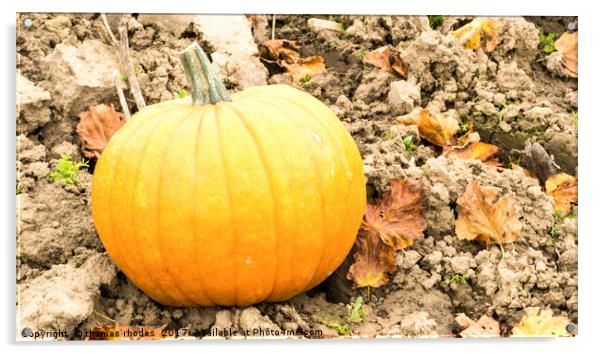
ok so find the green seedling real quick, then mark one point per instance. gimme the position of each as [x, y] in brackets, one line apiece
[555, 230]
[463, 129]
[124, 78]
[435, 20]
[182, 93]
[408, 143]
[357, 312]
[304, 80]
[342, 330]
[456, 278]
[575, 117]
[547, 41]
[362, 53]
[67, 170]
[344, 33]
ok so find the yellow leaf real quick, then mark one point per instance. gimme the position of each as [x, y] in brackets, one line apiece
[536, 323]
[305, 68]
[479, 33]
[567, 45]
[484, 217]
[563, 189]
[438, 130]
[473, 151]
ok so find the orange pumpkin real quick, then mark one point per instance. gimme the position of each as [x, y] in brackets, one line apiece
[239, 200]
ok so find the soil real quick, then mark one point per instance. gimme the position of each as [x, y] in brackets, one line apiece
[67, 281]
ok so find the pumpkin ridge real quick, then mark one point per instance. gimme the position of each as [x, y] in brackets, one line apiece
[318, 172]
[335, 137]
[111, 198]
[170, 140]
[194, 198]
[229, 192]
[260, 152]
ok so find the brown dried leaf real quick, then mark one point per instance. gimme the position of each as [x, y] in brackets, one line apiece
[484, 327]
[483, 218]
[280, 51]
[479, 33]
[379, 58]
[373, 259]
[438, 130]
[563, 189]
[399, 66]
[475, 150]
[307, 67]
[95, 128]
[398, 216]
[536, 323]
[567, 45]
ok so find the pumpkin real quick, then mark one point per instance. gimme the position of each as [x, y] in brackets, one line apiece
[219, 200]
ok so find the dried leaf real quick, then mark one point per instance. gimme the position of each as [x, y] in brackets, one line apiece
[307, 67]
[126, 332]
[279, 51]
[567, 45]
[379, 58]
[95, 128]
[483, 218]
[474, 151]
[484, 327]
[286, 55]
[479, 33]
[398, 216]
[438, 130]
[399, 66]
[536, 323]
[563, 189]
[373, 259]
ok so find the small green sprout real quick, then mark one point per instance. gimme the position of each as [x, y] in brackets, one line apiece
[357, 312]
[67, 170]
[564, 269]
[555, 230]
[182, 93]
[575, 117]
[18, 190]
[341, 329]
[362, 53]
[456, 278]
[334, 45]
[547, 40]
[463, 129]
[408, 143]
[435, 20]
[304, 80]
[344, 33]
[138, 70]
[124, 78]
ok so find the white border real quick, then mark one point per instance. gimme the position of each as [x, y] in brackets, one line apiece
[590, 130]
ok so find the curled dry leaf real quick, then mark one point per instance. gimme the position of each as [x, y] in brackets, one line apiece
[439, 130]
[479, 33]
[398, 216]
[95, 128]
[484, 327]
[483, 218]
[286, 55]
[372, 260]
[536, 323]
[306, 67]
[563, 189]
[567, 45]
[475, 150]
[381, 58]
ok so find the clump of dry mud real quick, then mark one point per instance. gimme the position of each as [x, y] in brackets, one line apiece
[67, 281]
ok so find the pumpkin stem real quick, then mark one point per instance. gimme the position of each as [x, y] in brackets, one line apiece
[191, 57]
